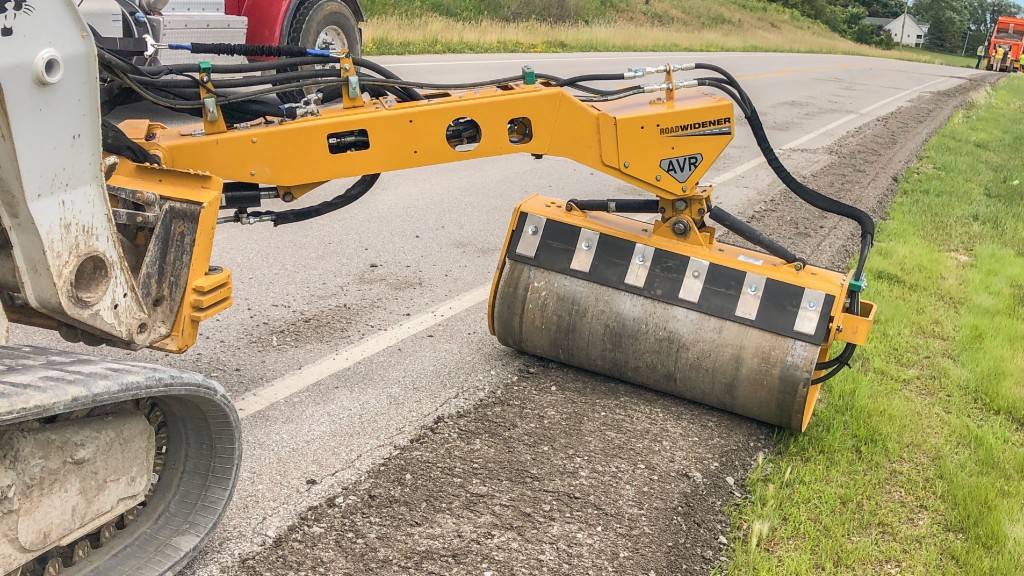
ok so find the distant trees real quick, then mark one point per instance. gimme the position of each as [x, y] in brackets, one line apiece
[952, 23]
[846, 17]
[956, 23]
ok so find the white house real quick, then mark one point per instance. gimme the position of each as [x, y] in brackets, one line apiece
[912, 31]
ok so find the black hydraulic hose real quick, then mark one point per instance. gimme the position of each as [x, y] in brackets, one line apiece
[588, 78]
[842, 359]
[727, 89]
[730, 79]
[251, 95]
[372, 66]
[753, 235]
[812, 197]
[436, 86]
[575, 84]
[805, 193]
[354, 192]
[615, 96]
[248, 50]
[496, 82]
[626, 205]
[258, 66]
[246, 82]
[840, 362]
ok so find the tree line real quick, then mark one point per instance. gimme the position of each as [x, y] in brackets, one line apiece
[953, 24]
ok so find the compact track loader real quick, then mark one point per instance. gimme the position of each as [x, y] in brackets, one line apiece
[112, 468]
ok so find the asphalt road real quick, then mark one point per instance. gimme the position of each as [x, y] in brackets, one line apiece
[351, 332]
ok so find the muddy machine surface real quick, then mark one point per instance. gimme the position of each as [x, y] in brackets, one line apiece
[122, 468]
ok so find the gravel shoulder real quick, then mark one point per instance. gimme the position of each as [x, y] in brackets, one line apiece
[561, 471]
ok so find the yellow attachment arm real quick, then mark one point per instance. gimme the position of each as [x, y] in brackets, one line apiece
[663, 147]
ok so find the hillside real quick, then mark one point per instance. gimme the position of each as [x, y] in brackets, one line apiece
[440, 26]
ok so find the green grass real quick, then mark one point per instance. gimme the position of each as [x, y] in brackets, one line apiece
[914, 462]
[947, 59]
[479, 26]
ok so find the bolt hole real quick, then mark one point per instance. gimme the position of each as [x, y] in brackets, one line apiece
[91, 280]
[49, 67]
[463, 134]
[53, 69]
[520, 131]
[143, 328]
[158, 301]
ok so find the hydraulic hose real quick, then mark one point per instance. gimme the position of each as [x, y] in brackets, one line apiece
[246, 82]
[354, 192]
[753, 235]
[627, 205]
[805, 193]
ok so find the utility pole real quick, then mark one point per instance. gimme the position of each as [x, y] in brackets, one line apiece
[903, 28]
[966, 40]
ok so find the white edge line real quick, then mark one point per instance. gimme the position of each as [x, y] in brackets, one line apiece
[746, 166]
[300, 379]
[303, 378]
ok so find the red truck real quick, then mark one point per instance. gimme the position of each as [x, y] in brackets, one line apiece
[325, 24]
[1007, 41]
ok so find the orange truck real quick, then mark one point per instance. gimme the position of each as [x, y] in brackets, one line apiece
[1009, 36]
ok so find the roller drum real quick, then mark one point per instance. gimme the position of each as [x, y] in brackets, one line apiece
[710, 360]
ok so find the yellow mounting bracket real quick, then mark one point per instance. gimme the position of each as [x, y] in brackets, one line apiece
[213, 119]
[670, 92]
[351, 91]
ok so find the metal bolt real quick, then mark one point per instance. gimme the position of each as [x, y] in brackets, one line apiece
[346, 67]
[253, 140]
[679, 204]
[586, 245]
[657, 178]
[681, 227]
[252, 172]
[288, 197]
[696, 274]
[685, 188]
[799, 266]
[532, 230]
[626, 165]
[812, 305]
[640, 259]
[151, 136]
[752, 289]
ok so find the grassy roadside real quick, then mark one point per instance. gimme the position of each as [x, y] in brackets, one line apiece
[947, 59]
[914, 463]
[462, 26]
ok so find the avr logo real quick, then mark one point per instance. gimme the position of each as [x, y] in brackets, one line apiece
[9, 11]
[682, 167]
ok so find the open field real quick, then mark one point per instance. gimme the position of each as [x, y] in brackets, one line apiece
[444, 27]
[913, 464]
